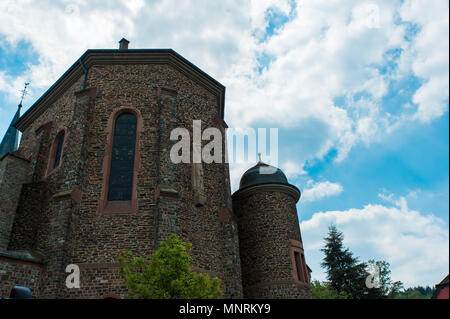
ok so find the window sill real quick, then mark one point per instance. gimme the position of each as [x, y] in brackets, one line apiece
[53, 171]
[119, 207]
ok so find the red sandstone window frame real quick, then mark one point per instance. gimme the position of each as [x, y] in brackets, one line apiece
[297, 247]
[106, 207]
[53, 149]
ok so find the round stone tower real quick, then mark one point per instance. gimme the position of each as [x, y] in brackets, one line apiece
[271, 249]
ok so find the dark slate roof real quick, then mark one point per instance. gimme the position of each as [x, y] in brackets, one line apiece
[10, 141]
[261, 174]
[264, 177]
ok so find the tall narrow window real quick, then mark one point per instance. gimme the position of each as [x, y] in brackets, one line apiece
[59, 147]
[55, 157]
[122, 158]
[305, 271]
[298, 266]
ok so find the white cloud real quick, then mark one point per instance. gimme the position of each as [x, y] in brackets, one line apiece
[236, 172]
[292, 169]
[317, 191]
[326, 50]
[416, 245]
[428, 55]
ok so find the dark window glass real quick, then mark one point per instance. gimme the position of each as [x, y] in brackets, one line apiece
[59, 150]
[298, 266]
[305, 275]
[122, 158]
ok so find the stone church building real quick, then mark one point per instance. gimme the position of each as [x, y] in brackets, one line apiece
[92, 178]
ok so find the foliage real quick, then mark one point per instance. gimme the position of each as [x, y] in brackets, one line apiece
[396, 290]
[347, 276]
[388, 288]
[323, 290]
[167, 274]
[415, 293]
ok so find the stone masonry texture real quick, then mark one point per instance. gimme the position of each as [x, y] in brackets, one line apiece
[267, 222]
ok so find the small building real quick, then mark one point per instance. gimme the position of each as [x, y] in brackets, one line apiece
[441, 291]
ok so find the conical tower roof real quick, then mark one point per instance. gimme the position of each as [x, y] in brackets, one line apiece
[10, 141]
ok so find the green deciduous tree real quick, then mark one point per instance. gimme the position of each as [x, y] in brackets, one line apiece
[323, 290]
[388, 288]
[167, 274]
[415, 293]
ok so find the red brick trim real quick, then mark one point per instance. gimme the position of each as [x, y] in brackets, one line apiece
[168, 91]
[122, 207]
[296, 243]
[74, 195]
[297, 246]
[45, 127]
[91, 92]
[51, 157]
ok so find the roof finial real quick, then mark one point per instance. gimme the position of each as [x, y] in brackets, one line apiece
[259, 157]
[24, 92]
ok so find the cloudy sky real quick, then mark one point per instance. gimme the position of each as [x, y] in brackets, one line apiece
[358, 91]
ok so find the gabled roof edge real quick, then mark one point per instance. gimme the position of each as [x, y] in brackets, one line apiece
[112, 56]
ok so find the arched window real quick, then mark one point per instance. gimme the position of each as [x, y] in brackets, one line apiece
[57, 159]
[121, 163]
[121, 173]
[56, 152]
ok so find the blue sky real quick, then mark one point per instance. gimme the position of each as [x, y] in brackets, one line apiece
[358, 91]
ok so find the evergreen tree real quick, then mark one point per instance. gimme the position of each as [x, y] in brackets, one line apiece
[345, 274]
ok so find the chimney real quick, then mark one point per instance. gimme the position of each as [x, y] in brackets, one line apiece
[123, 44]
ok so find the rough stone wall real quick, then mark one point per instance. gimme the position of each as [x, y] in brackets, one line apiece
[59, 114]
[28, 217]
[267, 222]
[98, 281]
[71, 230]
[18, 273]
[41, 199]
[165, 99]
[12, 173]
